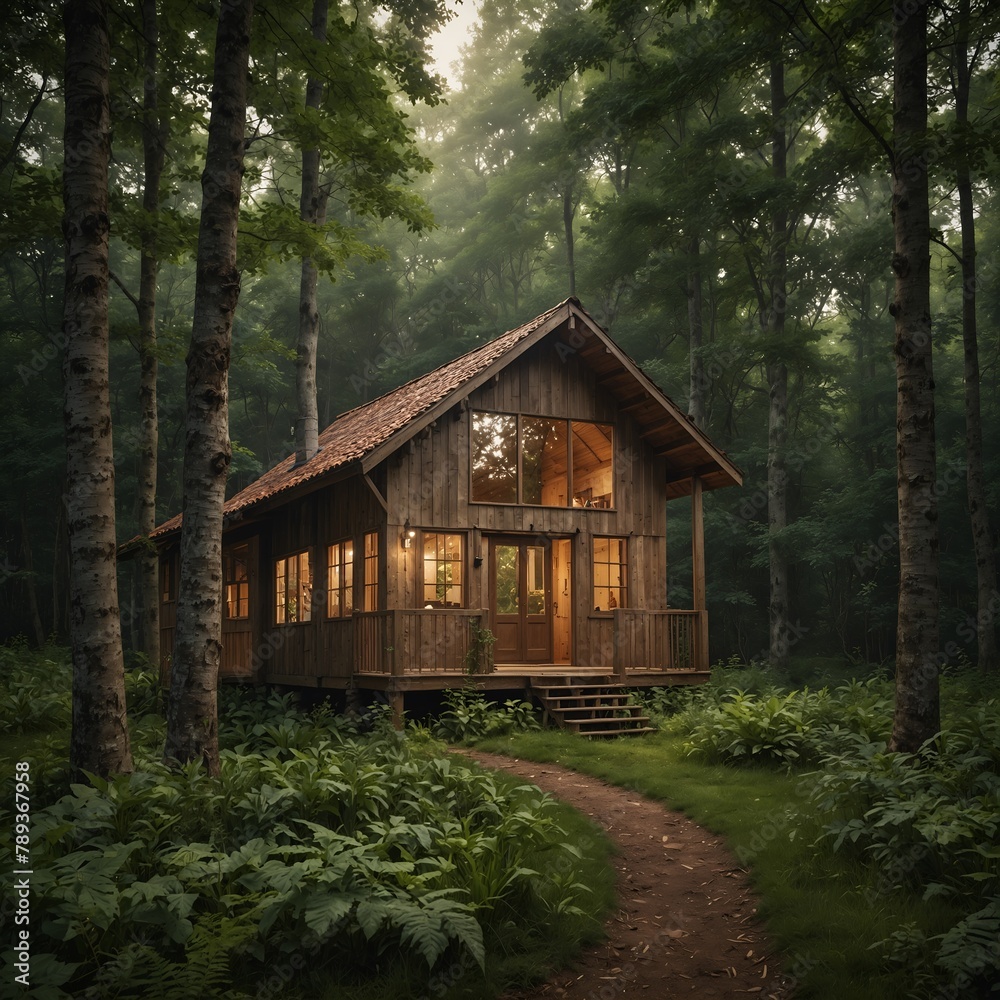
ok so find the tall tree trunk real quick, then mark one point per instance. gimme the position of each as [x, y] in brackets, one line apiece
[312, 208]
[100, 738]
[192, 710]
[697, 388]
[982, 540]
[917, 714]
[569, 211]
[777, 380]
[29, 582]
[153, 156]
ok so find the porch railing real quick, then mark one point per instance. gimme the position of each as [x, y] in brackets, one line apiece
[659, 640]
[420, 641]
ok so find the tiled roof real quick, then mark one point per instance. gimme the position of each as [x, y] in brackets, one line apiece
[357, 432]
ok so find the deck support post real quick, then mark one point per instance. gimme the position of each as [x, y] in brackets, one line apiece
[698, 575]
[396, 704]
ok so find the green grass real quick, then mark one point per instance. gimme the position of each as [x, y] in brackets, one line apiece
[821, 911]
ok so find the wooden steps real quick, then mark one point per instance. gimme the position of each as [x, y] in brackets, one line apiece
[591, 706]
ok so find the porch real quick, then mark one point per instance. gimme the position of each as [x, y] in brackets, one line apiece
[427, 648]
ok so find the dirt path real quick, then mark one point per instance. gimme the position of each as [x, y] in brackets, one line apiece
[686, 923]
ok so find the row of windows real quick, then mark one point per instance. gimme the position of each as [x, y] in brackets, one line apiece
[295, 599]
[443, 582]
[442, 578]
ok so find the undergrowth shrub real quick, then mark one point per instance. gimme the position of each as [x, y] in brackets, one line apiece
[332, 851]
[468, 716]
[34, 688]
[928, 823]
[784, 728]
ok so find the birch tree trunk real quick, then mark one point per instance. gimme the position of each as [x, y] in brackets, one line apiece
[192, 710]
[917, 713]
[153, 157]
[312, 208]
[100, 738]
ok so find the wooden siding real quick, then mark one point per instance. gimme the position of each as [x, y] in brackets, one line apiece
[428, 484]
[319, 652]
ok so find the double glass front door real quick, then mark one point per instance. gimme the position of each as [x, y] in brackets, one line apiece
[522, 616]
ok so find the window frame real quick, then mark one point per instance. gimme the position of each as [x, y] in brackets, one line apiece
[622, 587]
[422, 582]
[229, 561]
[281, 608]
[370, 570]
[568, 423]
[343, 593]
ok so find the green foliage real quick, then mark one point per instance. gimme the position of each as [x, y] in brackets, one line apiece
[34, 689]
[330, 850]
[468, 716]
[776, 727]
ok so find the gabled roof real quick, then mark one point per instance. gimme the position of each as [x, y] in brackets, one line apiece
[361, 438]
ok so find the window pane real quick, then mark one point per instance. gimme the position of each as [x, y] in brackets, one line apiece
[442, 574]
[593, 448]
[536, 580]
[543, 461]
[494, 458]
[304, 593]
[334, 580]
[506, 579]
[237, 584]
[371, 571]
[348, 595]
[610, 570]
[279, 592]
[293, 589]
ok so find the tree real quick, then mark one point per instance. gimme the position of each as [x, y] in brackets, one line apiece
[100, 738]
[917, 715]
[963, 65]
[154, 154]
[312, 207]
[192, 711]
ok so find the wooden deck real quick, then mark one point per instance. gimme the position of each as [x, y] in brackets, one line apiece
[426, 649]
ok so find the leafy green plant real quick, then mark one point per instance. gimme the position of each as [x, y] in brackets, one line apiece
[479, 656]
[355, 850]
[468, 716]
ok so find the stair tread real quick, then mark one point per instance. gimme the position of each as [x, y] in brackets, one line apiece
[576, 712]
[586, 697]
[618, 732]
[582, 693]
[576, 723]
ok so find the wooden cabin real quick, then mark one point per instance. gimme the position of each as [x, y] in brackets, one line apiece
[502, 516]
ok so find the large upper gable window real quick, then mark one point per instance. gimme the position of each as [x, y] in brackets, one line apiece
[542, 461]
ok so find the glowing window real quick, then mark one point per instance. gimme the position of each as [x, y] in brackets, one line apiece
[610, 574]
[236, 582]
[442, 570]
[371, 571]
[292, 589]
[340, 579]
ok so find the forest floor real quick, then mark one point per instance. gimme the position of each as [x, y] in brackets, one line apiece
[686, 920]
